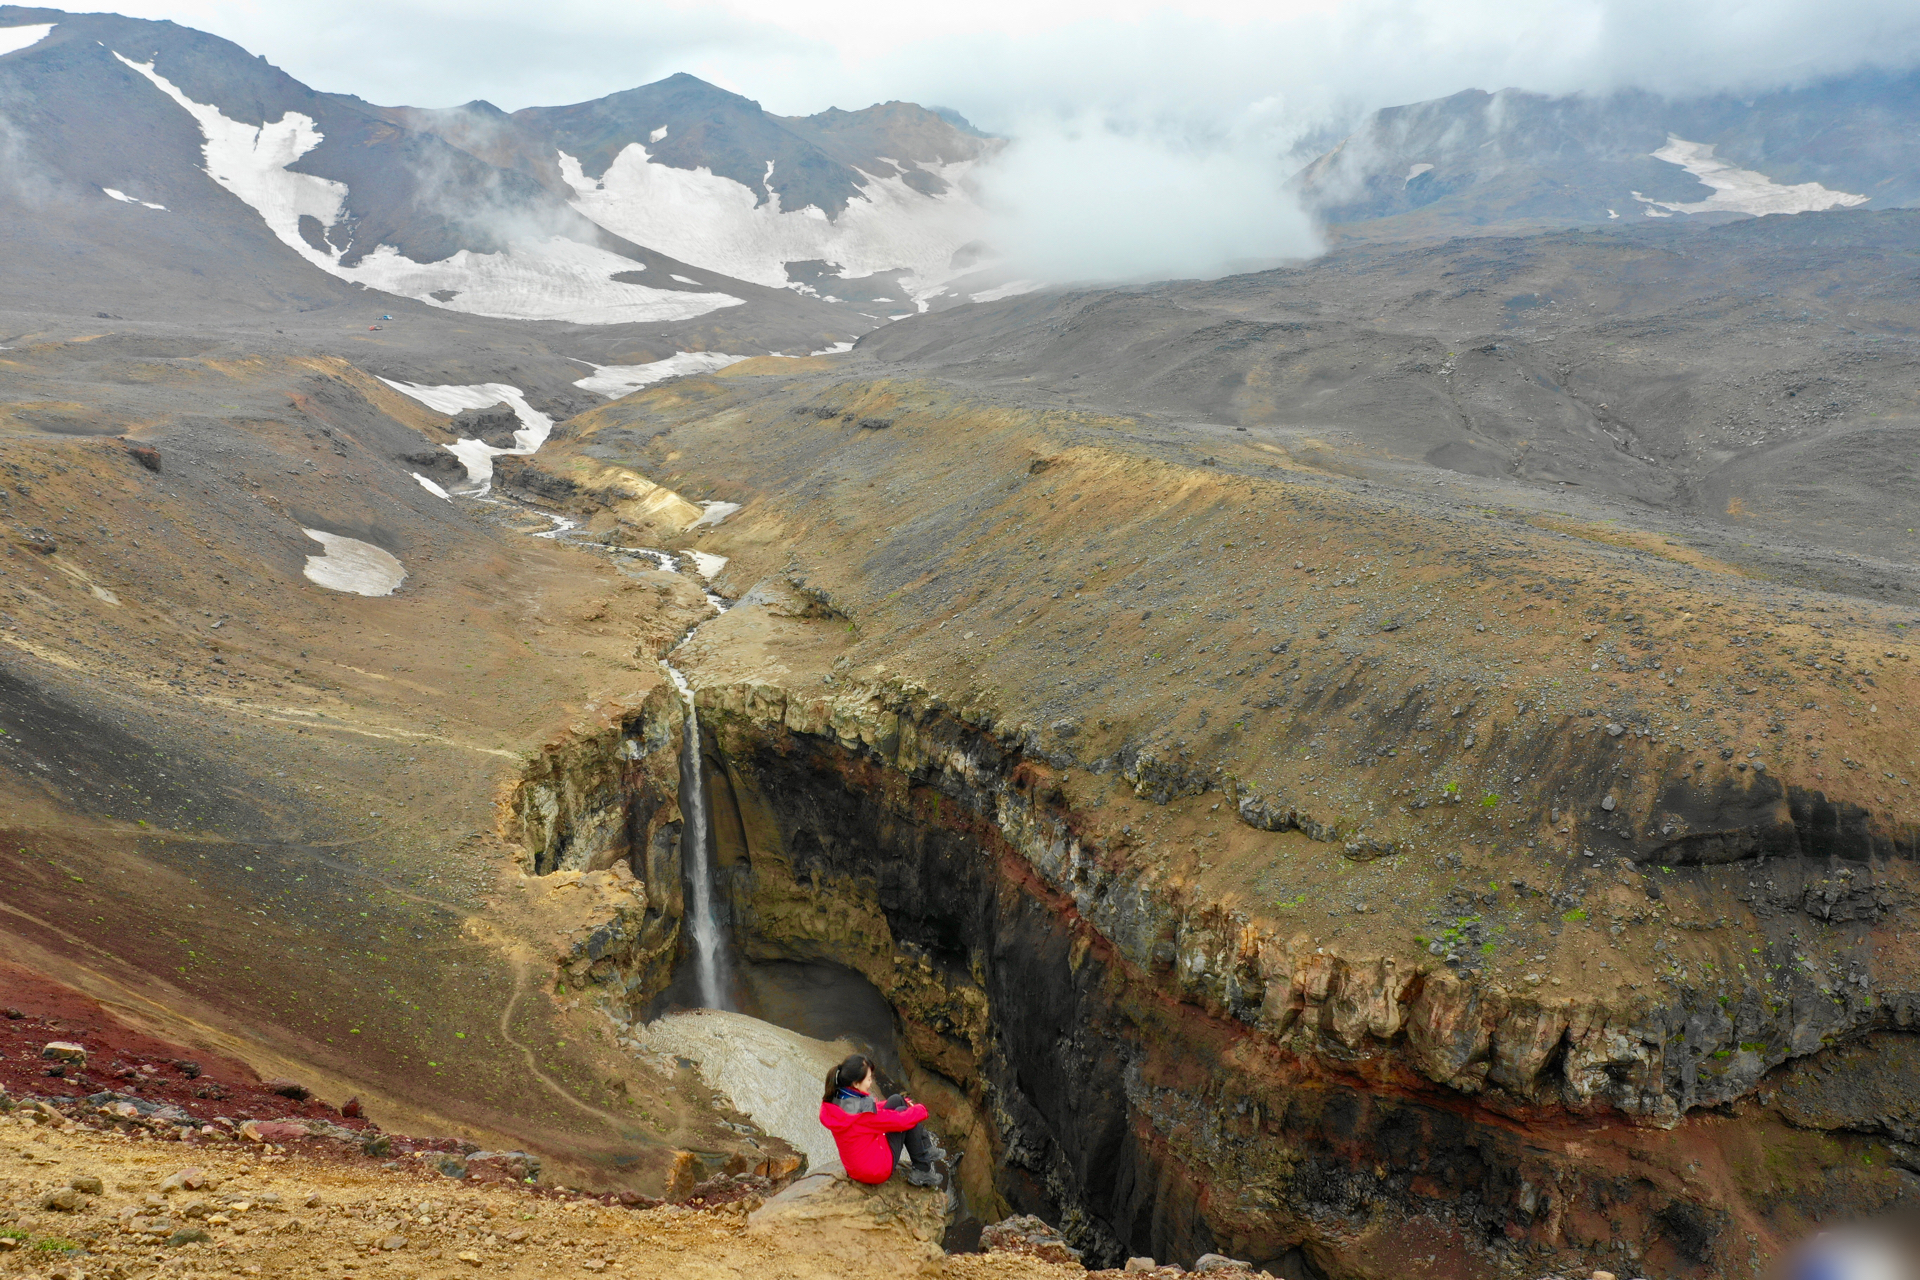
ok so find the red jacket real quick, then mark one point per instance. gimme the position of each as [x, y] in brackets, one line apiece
[862, 1137]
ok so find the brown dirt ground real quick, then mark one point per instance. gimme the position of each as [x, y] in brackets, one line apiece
[331, 1217]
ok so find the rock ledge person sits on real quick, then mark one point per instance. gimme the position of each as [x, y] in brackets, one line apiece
[870, 1135]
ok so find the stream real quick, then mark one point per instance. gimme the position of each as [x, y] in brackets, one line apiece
[769, 1068]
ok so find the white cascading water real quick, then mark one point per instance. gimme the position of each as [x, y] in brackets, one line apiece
[710, 962]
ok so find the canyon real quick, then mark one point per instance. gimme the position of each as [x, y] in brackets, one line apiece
[1393, 922]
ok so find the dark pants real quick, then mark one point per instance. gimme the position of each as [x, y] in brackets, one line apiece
[917, 1141]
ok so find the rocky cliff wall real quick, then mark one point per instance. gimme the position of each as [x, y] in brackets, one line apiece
[606, 797]
[1163, 1075]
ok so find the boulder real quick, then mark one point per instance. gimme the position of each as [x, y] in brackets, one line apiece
[65, 1051]
[867, 1228]
[502, 1166]
[191, 1178]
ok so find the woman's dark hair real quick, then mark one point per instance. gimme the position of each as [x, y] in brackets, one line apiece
[848, 1074]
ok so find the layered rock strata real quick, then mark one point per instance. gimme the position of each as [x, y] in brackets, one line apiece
[1164, 1074]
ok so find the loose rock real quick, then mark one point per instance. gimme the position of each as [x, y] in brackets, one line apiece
[1028, 1235]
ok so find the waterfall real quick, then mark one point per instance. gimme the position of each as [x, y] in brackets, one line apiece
[710, 962]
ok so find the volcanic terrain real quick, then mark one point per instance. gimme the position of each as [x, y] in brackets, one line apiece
[1395, 765]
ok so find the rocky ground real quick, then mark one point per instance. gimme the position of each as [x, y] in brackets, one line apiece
[84, 1203]
[89, 1192]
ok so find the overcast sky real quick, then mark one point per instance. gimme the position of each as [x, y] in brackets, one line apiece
[1224, 66]
[1152, 140]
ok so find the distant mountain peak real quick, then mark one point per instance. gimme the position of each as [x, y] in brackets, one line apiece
[1476, 159]
[658, 203]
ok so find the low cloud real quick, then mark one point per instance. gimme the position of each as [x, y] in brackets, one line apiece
[1087, 202]
[23, 179]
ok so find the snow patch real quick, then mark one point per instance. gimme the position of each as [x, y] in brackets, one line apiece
[14, 39]
[477, 455]
[767, 1072]
[683, 279]
[616, 380]
[707, 563]
[717, 223]
[533, 279]
[1415, 171]
[555, 279]
[124, 198]
[1007, 290]
[432, 488]
[657, 134]
[838, 348]
[1740, 190]
[349, 564]
[715, 513]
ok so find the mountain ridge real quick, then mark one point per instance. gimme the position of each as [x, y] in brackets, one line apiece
[476, 209]
[1475, 158]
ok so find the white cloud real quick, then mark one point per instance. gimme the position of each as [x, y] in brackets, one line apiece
[1088, 203]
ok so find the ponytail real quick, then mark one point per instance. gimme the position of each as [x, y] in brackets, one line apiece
[845, 1076]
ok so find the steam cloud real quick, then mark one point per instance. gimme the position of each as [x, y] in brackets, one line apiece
[1090, 204]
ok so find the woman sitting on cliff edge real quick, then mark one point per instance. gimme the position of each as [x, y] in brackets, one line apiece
[870, 1135]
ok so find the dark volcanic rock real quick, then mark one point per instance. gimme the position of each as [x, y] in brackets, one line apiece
[494, 425]
[432, 462]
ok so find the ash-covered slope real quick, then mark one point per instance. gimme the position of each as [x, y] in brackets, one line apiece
[1744, 385]
[1474, 158]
